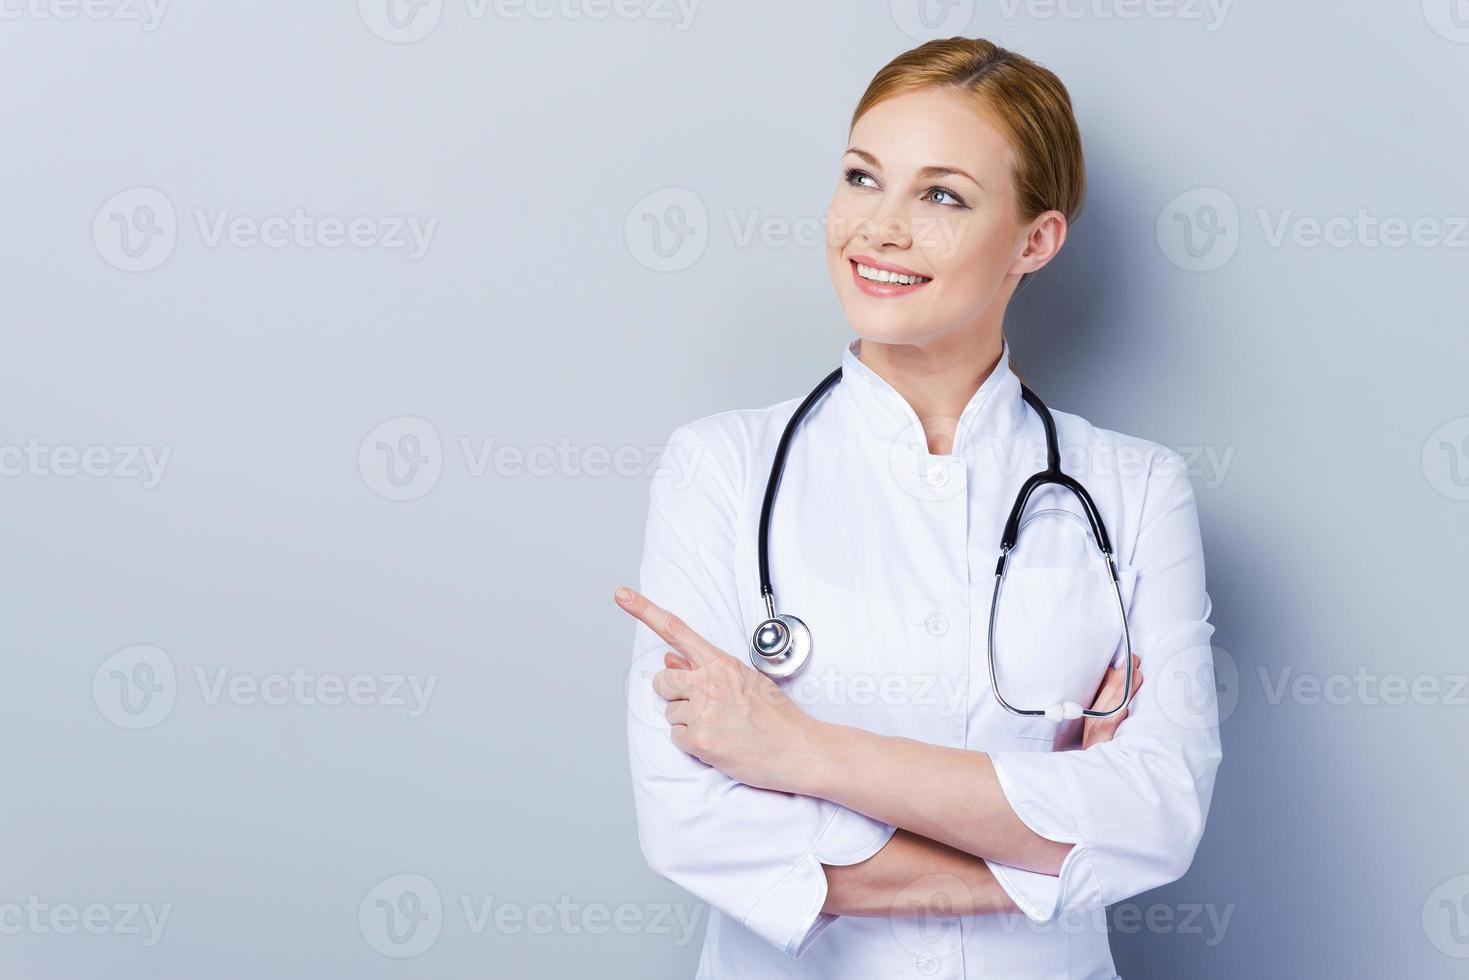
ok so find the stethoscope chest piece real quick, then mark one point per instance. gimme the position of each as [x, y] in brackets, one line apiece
[781, 646]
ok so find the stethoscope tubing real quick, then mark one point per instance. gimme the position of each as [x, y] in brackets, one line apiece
[781, 633]
[777, 469]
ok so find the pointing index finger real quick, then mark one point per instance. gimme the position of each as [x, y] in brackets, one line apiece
[672, 630]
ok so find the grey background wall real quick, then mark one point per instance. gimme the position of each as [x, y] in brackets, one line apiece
[338, 343]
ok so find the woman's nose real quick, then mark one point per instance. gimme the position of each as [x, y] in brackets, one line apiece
[887, 224]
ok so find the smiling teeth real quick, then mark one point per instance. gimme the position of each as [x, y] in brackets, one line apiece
[882, 275]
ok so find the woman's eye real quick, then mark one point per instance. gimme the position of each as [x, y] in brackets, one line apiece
[954, 199]
[854, 178]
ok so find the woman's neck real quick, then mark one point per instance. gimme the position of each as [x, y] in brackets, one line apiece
[937, 379]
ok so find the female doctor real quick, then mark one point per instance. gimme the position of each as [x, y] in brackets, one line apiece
[877, 810]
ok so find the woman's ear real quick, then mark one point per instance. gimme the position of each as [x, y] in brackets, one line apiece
[1046, 235]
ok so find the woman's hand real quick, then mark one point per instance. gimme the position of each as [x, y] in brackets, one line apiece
[723, 711]
[1095, 730]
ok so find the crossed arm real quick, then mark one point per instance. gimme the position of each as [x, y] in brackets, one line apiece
[946, 802]
[915, 875]
[929, 866]
[865, 824]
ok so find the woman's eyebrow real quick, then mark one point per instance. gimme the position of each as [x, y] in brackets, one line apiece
[926, 173]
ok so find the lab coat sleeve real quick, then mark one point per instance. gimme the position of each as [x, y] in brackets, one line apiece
[754, 854]
[1133, 807]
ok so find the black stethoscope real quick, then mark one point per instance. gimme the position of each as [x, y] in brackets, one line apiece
[781, 644]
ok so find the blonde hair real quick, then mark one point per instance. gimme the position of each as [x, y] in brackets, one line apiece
[1025, 99]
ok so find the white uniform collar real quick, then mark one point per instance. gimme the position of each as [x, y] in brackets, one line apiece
[995, 411]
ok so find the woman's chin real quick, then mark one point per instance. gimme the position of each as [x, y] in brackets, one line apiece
[886, 330]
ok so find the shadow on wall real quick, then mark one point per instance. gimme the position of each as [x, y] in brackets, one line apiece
[1103, 332]
[1063, 325]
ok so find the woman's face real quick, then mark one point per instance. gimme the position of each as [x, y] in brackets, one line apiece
[926, 189]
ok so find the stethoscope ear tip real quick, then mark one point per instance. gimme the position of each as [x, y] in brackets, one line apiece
[1066, 711]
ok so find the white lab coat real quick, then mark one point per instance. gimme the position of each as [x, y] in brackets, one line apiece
[888, 554]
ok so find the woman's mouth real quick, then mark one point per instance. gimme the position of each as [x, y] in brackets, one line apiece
[884, 282]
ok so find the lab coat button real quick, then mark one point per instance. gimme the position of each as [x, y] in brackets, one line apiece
[938, 475]
[937, 624]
